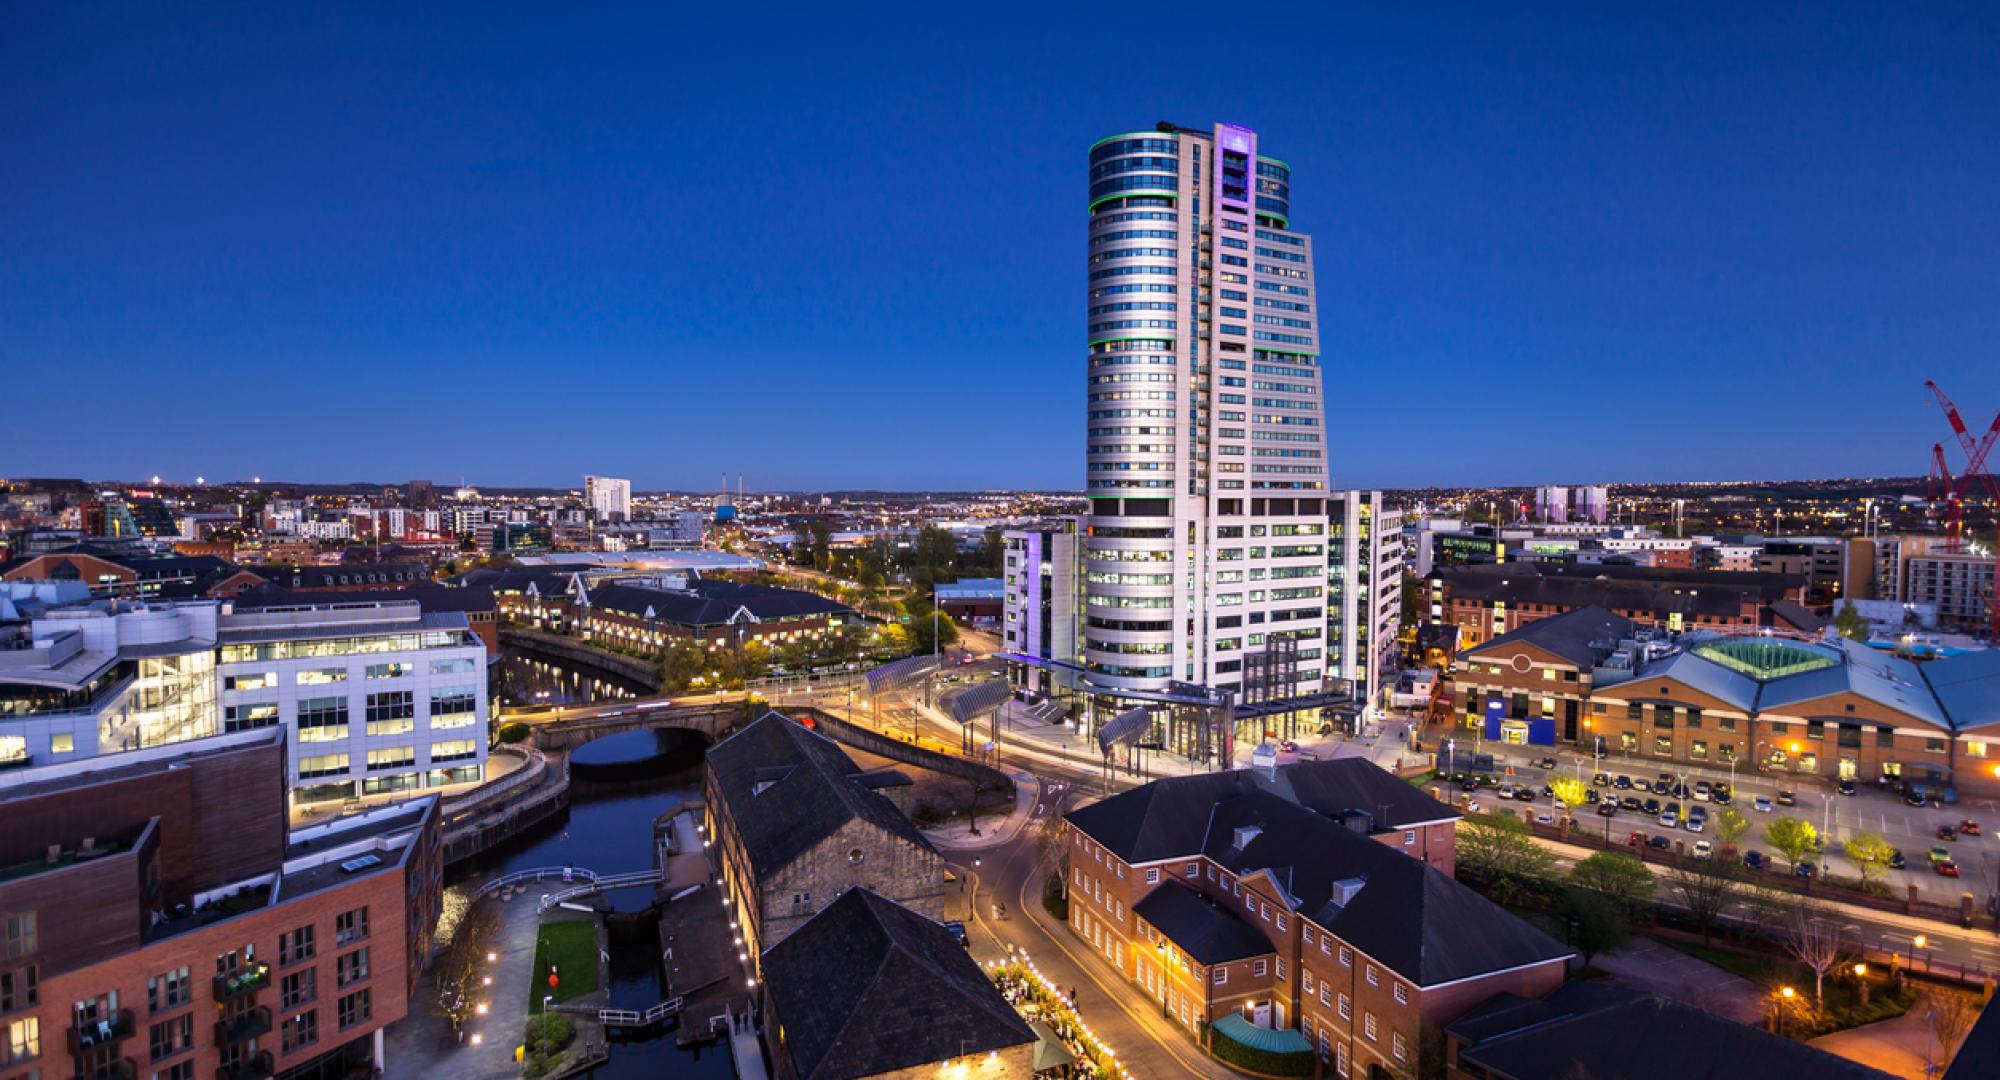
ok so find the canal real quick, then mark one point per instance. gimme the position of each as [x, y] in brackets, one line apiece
[621, 783]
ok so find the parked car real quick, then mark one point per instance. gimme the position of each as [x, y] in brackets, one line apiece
[1525, 794]
[1651, 807]
[957, 931]
[1630, 802]
[1669, 819]
[1804, 869]
[1940, 853]
[1896, 860]
[1946, 832]
[1721, 794]
[1969, 827]
[1697, 819]
[1600, 779]
[1754, 859]
[1607, 808]
[1546, 763]
[1506, 791]
[1622, 783]
[1787, 797]
[1590, 795]
[1847, 787]
[1762, 804]
[1702, 790]
[1470, 783]
[1545, 819]
[1660, 842]
[1636, 838]
[1945, 868]
[1548, 791]
[1702, 850]
[1915, 797]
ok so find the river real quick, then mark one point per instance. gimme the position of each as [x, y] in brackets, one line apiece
[609, 830]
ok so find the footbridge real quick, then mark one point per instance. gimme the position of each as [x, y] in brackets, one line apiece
[713, 719]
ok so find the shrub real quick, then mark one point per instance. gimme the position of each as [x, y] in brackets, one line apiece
[1251, 1059]
[548, 1033]
[1055, 900]
[514, 732]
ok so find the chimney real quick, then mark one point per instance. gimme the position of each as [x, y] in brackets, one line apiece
[1264, 761]
[1345, 890]
[1245, 834]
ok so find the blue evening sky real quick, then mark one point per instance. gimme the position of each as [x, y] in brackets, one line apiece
[845, 246]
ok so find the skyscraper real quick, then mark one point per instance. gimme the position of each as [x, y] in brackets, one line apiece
[608, 499]
[1205, 557]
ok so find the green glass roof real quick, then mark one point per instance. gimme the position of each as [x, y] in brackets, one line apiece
[1765, 659]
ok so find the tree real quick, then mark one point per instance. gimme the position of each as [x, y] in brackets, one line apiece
[1570, 793]
[1596, 922]
[1793, 838]
[923, 619]
[681, 662]
[819, 544]
[1812, 937]
[1950, 1015]
[468, 928]
[1869, 853]
[1498, 849]
[1729, 825]
[1850, 623]
[1616, 876]
[1704, 887]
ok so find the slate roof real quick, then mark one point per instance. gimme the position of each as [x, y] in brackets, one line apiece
[1881, 677]
[1968, 687]
[868, 986]
[1605, 1032]
[1405, 913]
[1202, 928]
[1583, 636]
[813, 790]
[712, 603]
[320, 577]
[1978, 1057]
[1660, 590]
[518, 579]
[432, 597]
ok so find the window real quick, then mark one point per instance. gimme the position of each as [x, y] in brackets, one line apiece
[1282, 976]
[1281, 922]
[393, 670]
[62, 743]
[179, 1070]
[298, 988]
[24, 1040]
[391, 757]
[391, 713]
[295, 946]
[1308, 931]
[1346, 1007]
[322, 765]
[322, 676]
[1346, 957]
[170, 1037]
[1368, 1025]
[1194, 870]
[322, 719]
[355, 1009]
[456, 706]
[168, 990]
[1409, 837]
[351, 968]
[19, 989]
[1152, 875]
[1374, 977]
[248, 717]
[1340, 1058]
[21, 935]
[1396, 1044]
[349, 927]
[301, 1030]
[1306, 982]
[1221, 976]
[1260, 969]
[463, 665]
[1402, 994]
[258, 680]
[461, 749]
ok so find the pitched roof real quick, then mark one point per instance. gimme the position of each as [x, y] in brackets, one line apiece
[788, 788]
[868, 986]
[1583, 636]
[1399, 910]
[1597, 1030]
[431, 595]
[712, 603]
[1199, 926]
[1968, 687]
[1978, 1057]
[1661, 590]
[320, 577]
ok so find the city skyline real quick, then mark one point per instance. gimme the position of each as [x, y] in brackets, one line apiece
[1520, 215]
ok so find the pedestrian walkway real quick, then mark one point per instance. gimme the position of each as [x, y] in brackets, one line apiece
[422, 1043]
[1647, 965]
[1896, 1046]
[746, 1050]
[958, 835]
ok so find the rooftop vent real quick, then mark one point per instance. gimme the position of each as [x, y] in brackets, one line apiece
[1345, 890]
[1247, 833]
[365, 862]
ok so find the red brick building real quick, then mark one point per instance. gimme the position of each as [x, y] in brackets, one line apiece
[1486, 601]
[1270, 899]
[161, 921]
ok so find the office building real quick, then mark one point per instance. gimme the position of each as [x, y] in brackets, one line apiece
[161, 921]
[608, 499]
[1364, 591]
[1206, 452]
[1044, 605]
[1552, 504]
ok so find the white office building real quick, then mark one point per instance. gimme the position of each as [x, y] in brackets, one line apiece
[1365, 592]
[1043, 604]
[608, 499]
[379, 697]
[1205, 551]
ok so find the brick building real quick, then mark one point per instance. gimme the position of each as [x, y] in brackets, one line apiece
[1244, 899]
[1833, 708]
[160, 921]
[1488, 601]
[869, 988]
[704, 610]
[796, 822]
[120, 574]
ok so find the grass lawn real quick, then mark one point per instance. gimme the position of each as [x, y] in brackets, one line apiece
[572, 948]
[1843, 998]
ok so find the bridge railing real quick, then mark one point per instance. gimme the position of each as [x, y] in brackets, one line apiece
[539, 873]
[529, 773]
[597, 884]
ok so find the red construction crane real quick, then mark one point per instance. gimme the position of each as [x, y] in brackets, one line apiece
[1954, 491]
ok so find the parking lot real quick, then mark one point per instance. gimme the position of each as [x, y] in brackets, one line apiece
[1912, 830]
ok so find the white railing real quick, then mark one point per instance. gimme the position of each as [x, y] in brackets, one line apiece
[539, 873]
[597, 884]
[627, 1018]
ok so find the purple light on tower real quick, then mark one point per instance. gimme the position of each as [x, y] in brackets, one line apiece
[1234, 139]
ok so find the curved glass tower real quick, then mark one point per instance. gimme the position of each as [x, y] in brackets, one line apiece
[1205, 557]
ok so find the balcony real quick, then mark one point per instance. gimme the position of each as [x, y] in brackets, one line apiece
[247, 1025]
[248, 980]
[255, 1067]
[119, 1069]
[85, 1034]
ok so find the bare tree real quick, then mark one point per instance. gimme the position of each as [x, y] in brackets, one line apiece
[458, 970]
[1704, 887]
[1951, 1015]
[1813, 937]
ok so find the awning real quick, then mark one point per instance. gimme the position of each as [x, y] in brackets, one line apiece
[901, 673]
[977, 700]
[1243, 1031]
[1124, 729]
[1050, 1053]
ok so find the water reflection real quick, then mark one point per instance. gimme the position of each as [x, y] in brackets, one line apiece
[524, 681]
